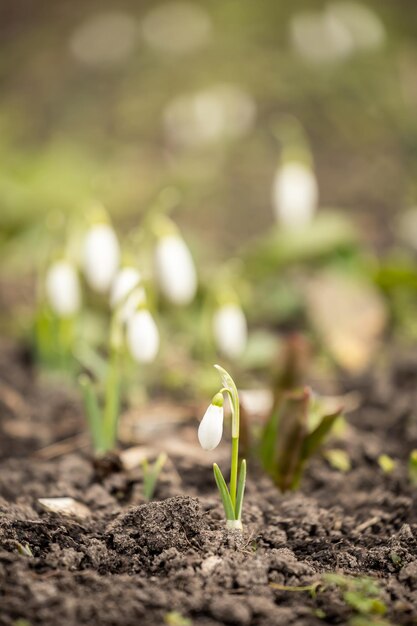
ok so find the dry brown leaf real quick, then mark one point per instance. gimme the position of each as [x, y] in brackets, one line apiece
[349, 315]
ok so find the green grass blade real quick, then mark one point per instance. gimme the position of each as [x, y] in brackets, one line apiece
[112, 401]
[151, 475]
[241, 483]
[315, 438]
[224, 493]
[93, 413]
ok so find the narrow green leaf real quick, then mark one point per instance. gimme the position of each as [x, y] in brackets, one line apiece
[269, 438]
[241, 483]
[316, 437]
[151, 474]
[224, 493]
[112, 401]
[93, 413]
[412, 467]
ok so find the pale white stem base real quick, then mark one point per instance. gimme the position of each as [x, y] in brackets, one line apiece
[234, 524]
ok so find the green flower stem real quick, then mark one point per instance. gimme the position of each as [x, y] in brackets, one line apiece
[112, 399]
[233, 469]
[233, 497]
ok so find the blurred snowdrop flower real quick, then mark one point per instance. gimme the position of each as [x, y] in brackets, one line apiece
[294, 194]
[210, 430]
[104, 39]
[63, 288]
[364, 25]
[230, 330]
[127, 292]
[222, 111]
[176, 27]
[101, 256]
[334, 34]
[142, 336]
[175, 271]
[320, 37]
[126, 279]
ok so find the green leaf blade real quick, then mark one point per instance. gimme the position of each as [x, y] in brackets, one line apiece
[240, 490]
[224, 493]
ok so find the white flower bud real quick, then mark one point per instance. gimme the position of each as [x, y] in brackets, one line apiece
[127, 292]
[135, 300]
[126, 279]
[175, 270]
[142, 336]
[101, 257]
[63, 288]
[210, 430]
[230, 330]
[294, 195]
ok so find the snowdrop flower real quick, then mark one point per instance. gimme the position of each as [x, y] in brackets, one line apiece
[210, 430]
[175, 270]
[63, 288]
[127, 292]
[294, 195]
[101, 256]
[124, 282]
[142, 336]
[230, 330]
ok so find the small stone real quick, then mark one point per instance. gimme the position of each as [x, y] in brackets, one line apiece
[209, 565]
[65, 506]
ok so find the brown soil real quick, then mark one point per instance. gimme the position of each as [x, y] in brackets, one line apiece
[129, 562]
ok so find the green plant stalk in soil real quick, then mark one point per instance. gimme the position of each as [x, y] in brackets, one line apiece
[232, 495]
[53, 339]
[103, 420]
[292, 434]
[151, 472]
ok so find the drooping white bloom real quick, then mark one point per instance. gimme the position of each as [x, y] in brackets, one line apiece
[126, 279]
[175, 270]
[364, 24]
[142, 336]
[101, 257]
[210, 430]
[294, 195]
[127, 292]
[63, 288]
[230, 330]
[134, 300]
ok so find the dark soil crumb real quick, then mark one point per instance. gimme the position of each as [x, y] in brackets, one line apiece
[129, 562]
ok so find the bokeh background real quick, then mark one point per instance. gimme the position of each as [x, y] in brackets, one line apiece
[115, 101]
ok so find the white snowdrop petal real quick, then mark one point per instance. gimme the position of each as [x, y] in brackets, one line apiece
[136, 299]
[101, 257]
[210, 430]
[294, 195]
[124, 282]
[175, 270]
[63, 288]
[142, 336]
[230, 330]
